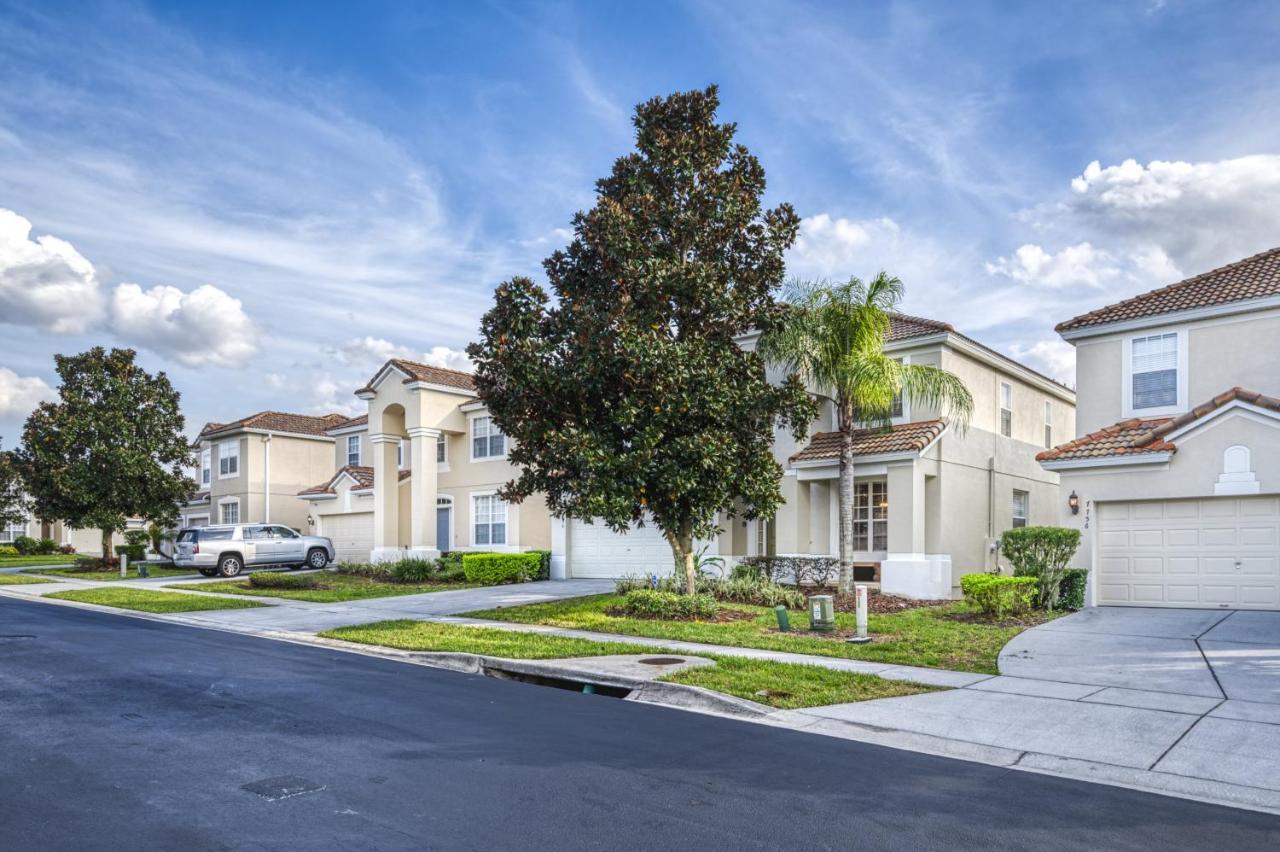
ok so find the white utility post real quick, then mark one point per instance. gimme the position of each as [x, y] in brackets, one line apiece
[860, 598]
[124, 565]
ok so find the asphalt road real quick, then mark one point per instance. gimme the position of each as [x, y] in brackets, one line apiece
[120, 733]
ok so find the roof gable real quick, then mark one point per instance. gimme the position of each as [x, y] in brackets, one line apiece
[903, 438]
[414, 371]
[279, 421]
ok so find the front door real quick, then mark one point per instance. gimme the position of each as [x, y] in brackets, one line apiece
[443, 523]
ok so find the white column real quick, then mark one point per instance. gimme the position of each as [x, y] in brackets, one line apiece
[422, 492]
[907, 569]
[386, 498]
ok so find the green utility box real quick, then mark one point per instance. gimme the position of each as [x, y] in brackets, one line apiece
[822, 613]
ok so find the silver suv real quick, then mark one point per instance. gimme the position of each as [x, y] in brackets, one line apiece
[227, 548]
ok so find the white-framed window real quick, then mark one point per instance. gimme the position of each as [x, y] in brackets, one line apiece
[1006, 409]
[353, 450]
[1153, 371]
[442, 450]
[206, 465]
[400, 454]
[1021, 499]
[229, 512]
[229, 458]
[488, 520]
[896, 408]
[1048, 424]
[8, 534]
[762, 537]
[487, 441]
[871, 515]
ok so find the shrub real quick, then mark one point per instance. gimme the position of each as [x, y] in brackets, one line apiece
[8, 550]
[46, 546]
[413, 570]
[998, 596]
[25, 545]
[795, 570]
[269, 580]
[757, 591]
[1042, 553]
[372, 570]
[1071, 592]
[137, 538]
[135, 552]
[650, 603]
[629, 583]
[67, 549]
[492, 569]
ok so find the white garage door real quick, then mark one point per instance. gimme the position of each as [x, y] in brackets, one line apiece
[1220, 552]
[597, 551]
[352, 535]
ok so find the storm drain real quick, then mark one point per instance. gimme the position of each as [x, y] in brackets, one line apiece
[663, 661]
[284, 787]
[568, 684]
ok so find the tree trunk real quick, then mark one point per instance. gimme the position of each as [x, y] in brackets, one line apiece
[106, 544]
[682, 549]
[846, 497]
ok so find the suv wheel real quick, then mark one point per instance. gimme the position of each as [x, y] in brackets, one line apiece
[209, 572]
[230, 565]
[317, 558]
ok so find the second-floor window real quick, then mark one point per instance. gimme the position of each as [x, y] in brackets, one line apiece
[1020, 501]
[1006, 409]
[229, 460]
[206, 465]
[487, 441]
[400, 454]
[1154, 371]
[442, 452]
[895, 409]
[353, 450]
[1048, 424]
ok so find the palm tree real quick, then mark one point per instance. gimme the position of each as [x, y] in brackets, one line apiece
[833, 338]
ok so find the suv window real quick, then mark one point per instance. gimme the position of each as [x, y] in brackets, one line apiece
[212, 535]
[189, 535]
[284, 532]
[256, 533]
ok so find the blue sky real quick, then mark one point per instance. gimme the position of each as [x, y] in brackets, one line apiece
[268, 199]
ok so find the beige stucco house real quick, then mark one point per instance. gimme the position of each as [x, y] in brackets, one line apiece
[1175, 478]
[88, 542]
[932, 498]
[251, 469]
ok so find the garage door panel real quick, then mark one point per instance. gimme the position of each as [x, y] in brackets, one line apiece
[352, 535]
[597, 551]
[1212, 552]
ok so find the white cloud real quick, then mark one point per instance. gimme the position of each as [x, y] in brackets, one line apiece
[452, 359]
[836, 247]
[276, 380]
[20, 394]
[372, 351]
[205, 326]
[1081, 264]
[45, 282]
[1054, 357]
[331, 395]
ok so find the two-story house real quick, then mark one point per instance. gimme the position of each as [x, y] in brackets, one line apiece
[251, 469]
[1175, 477]
[932, 498]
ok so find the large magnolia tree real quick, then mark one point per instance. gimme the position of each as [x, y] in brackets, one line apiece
[110, 449]
[628, 397]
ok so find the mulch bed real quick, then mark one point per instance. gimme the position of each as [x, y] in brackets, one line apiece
[877, 602]
[723, 616]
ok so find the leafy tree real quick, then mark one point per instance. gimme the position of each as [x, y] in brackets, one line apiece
[1044, 553]
[833, 336]
[629, 399]
[14, 506]
[112, 447]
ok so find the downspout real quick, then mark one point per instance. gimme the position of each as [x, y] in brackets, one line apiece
[266, 479]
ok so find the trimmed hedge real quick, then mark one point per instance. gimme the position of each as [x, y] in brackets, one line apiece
[1071, 592]
[492, 569]
[25, 545]
[650, 603]
[999, 596]
[1042, 553]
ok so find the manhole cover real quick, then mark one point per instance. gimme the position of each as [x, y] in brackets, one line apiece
[284, 787]
[662, 661]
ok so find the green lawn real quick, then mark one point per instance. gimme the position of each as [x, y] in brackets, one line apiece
[783, 685]
[21, 580]
[339, 587]
[925, 636]
[26, 561]
[107, 576]
[145, 600]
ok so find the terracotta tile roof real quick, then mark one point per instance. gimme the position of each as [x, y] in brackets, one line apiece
[198, 497]
[904, 327]
[362, 474]
[904, 438]
[418, 372]
[1136, 436]
[1251, 278]
[279, 421]
[362, 420]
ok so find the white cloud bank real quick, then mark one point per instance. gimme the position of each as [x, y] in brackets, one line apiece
[20, 394]
[45, 282]
[372, 351]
